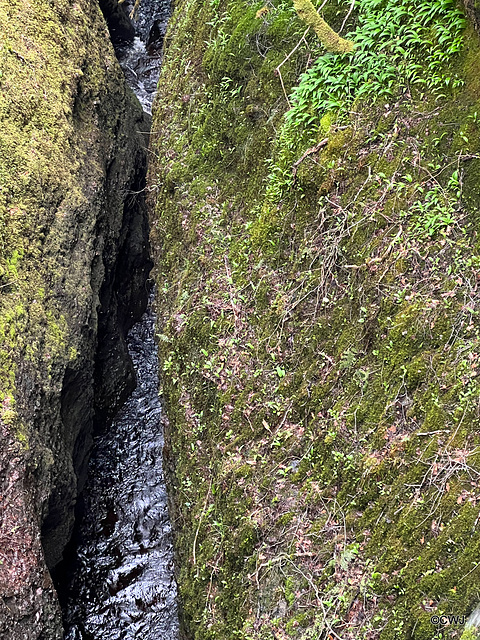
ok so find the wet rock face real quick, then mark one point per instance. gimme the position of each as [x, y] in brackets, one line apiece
[472, 8]
[119, 24]
[102, 376]
[89, 258]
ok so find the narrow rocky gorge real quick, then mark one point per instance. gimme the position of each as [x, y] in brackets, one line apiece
[117, 580]
[73, 269]
[314, 227]
[121, 584]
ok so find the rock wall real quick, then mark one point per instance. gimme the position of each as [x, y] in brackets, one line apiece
[318, 265]
[472, 8]
[74, 260]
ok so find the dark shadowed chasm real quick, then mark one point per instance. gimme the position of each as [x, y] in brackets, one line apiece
[121, 582]
[117, 580]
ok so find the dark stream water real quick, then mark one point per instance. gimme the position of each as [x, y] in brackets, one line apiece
[141, 59]
[123, 585]
[121, 582]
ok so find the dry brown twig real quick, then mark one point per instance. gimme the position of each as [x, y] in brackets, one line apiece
[308, 152]
[200, 522]
[277, 70]
[232, 301]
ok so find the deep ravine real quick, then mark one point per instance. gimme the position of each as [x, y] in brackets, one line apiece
[122, 584]
[141, 58]
[119, 581]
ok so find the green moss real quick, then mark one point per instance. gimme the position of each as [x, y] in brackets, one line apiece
[330, 40]
[321, 338]
[50, 72]
[470, 633]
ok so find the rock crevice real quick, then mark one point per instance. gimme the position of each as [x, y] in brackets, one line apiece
[73, 271]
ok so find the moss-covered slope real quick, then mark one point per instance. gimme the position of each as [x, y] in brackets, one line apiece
[318, 282]
[70, 158]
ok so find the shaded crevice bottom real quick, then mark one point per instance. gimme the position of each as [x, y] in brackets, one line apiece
[118, 580]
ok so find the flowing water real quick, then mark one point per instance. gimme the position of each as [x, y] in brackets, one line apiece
[141, 59]
[123, 585]
[121, 582]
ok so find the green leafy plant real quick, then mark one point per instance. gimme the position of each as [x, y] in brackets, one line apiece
[399, 44]
[390, 40]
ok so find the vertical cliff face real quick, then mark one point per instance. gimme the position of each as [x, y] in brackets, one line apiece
[319, 268]
[472, 7]
[73, 266]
